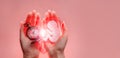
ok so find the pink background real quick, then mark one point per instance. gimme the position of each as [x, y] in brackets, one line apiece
[93, 25]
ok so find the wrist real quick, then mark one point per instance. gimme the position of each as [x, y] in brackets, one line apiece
[30, 56]
[57, 55]
[60, 55]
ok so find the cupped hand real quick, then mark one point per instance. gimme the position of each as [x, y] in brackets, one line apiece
[57, 50]
[29, 47]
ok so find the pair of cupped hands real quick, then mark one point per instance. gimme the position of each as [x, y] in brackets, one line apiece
[30, 48]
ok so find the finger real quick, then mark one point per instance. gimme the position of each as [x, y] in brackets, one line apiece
[53, 14]
[42, 49]
[29, 16]
[49, 47]
[60, 45]
[35, 44]
[63, 27]
[33, 19]
[22, 34]
[49, 13]
[25, 42]
[37, 19]
[47, 16]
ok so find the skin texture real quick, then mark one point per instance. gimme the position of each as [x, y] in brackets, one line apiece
[30, 48]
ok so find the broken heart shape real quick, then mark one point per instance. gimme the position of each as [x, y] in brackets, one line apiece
[49, 29]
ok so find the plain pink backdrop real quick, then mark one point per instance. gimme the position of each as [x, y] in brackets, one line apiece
[93, 25]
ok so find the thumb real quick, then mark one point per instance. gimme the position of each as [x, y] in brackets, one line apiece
[49, 47]
[22, 31]
[23, 39]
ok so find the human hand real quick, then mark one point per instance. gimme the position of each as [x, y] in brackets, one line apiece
[30, 48]
[57, 50]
